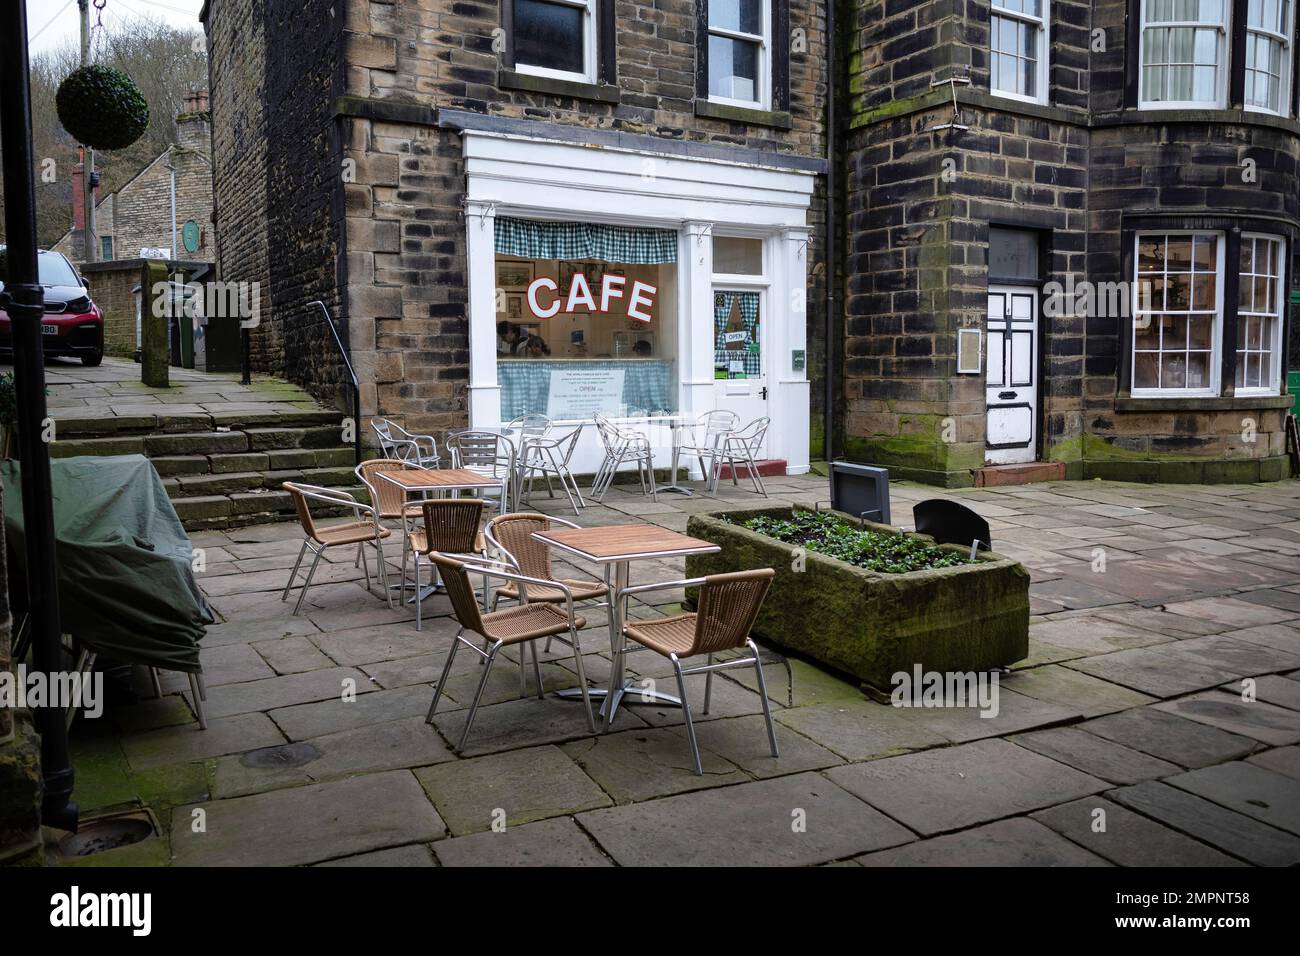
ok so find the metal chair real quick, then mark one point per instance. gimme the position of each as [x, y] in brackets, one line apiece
[397, 443]
[623, 446]
[450, 527]
[487, 454]
[551, 456]
[394, 504]
[727, 608]
[512, 536]
[362, 530]
[742, 448]
[515, 625]
[704, 440]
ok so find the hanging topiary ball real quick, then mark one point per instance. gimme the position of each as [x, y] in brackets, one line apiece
[101, 107]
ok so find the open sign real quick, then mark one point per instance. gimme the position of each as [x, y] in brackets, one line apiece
[640, 299]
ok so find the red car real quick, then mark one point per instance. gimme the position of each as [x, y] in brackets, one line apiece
[73, 326]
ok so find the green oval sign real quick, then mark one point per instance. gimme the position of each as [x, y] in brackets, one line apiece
[190, 236]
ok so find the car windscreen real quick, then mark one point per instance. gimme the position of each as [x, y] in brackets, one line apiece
[52, 268]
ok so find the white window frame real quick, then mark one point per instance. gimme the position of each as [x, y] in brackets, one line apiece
[1216, 327]
[1221, 91]
[588, 74]
[1043, 25]
[763, 81]
[1274, 382]
[1284, 81]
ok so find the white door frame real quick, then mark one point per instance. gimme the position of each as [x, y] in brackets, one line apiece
[1012, 394]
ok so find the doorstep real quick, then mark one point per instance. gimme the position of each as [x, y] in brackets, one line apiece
[767, 467]
[1021, 474]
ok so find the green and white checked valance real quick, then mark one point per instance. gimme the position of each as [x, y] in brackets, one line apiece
[529, 239]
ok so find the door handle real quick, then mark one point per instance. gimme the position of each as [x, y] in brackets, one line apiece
[762, 393]
[1006, 395]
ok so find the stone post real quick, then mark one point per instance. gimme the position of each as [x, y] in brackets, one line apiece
[155, 356]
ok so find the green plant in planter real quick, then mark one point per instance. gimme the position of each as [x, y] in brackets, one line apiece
[101, 107]
[836, 538]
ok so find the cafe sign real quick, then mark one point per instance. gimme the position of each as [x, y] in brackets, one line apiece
[640, 298]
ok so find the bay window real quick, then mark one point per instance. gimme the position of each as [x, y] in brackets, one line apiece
[556, 38]
[1178, 316]
[1259, 315]
[1018, 44]
[1183, 52]
[1268, 55]
[740, 52]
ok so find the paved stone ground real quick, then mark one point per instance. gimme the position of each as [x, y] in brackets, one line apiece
[1122, 740]
[114, 389]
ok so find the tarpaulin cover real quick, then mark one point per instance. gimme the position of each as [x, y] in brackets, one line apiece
[126, 584]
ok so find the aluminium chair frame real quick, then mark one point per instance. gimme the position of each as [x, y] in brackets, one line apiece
[335, 498]
[738, 449]
[551, 456]
[708, 669]
[406, 446]
[711, 446]
[508, 479]
[498, 569]
[623, 446]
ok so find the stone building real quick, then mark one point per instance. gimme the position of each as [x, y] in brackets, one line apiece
[138, 215]
[1068, 232]
[556, 206]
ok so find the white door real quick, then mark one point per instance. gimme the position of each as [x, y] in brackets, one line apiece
[1010, 375]
[739, 365]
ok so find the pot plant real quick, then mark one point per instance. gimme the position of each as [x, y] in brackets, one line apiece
[101, 107]
[869, 599]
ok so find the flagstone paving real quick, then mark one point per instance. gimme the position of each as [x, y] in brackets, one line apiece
[1155, 721]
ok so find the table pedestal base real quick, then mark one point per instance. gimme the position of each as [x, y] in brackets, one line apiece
[628, 694]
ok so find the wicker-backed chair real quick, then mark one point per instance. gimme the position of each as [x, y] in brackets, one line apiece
[393, 503]
[512, 536]
[363, 529]
[449, 527]
[741, 449]
[513, 625]
[727, 607]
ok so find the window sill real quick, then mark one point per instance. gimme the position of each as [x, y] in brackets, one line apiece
[742, 114]
[1219, 403]
[528, 83]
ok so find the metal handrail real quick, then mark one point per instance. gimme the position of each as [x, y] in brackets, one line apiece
[356, 385]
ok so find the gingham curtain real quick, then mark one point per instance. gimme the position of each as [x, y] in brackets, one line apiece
[749, 315]
[528, 239]
[647, 386]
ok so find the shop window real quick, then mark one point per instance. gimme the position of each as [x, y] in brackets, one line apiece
[556, 38]
[1177, 321]
[1259, 315]
[1018, 44]
[586, 320]
[1268, 55]
[740, 52]
[1183, 52]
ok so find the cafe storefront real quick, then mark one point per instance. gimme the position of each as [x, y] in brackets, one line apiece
[637, 285]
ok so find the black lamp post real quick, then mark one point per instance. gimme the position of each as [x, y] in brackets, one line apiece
[24, 300]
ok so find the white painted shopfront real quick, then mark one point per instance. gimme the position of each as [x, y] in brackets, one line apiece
[746, 218]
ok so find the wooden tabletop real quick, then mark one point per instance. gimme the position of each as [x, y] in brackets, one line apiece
[624, 542]
[425, 479]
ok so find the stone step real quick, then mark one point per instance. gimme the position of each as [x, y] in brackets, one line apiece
[991, 476]
[767, 467]
[205, 485]
[91, 426]
[244, 508]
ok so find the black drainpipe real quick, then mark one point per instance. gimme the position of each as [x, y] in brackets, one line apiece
[831, 346]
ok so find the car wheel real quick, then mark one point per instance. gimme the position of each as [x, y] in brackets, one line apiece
[90, 361]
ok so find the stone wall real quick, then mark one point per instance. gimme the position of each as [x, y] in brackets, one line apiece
[403, 265]
[141, 214]
[924, 184]
[236, 41]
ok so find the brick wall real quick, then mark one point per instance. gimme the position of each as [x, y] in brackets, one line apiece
[404, 257]
[236, 41]
[141, 213]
